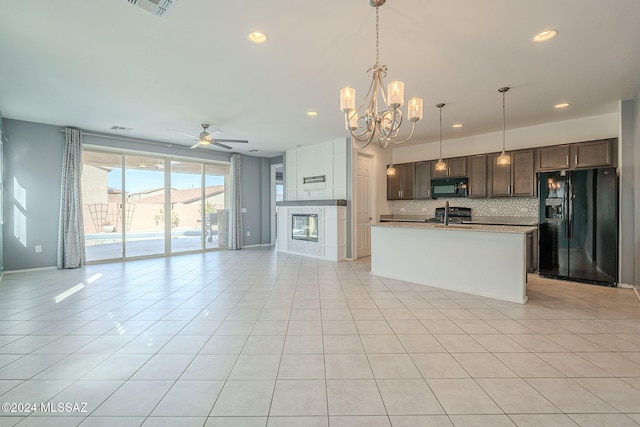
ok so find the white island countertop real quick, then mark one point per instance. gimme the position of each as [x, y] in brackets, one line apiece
[485, 260]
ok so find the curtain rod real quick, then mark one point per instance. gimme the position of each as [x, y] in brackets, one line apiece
[124, 138]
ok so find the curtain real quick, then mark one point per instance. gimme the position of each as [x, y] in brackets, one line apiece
[235, 210]
[71, 252]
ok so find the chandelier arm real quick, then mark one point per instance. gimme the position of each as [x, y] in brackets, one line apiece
[413, 128]
[366, 135]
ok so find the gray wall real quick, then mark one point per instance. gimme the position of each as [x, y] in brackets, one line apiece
[636, 162]
[1, 195]
[256, 198]
[33, 158]
[630, 191]
[33, 155]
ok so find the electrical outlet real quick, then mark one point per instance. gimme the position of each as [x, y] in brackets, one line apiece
[38, 249]
[425, 209]
[248, 233]
[402, 209]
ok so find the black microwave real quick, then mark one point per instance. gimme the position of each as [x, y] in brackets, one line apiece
[449, 187]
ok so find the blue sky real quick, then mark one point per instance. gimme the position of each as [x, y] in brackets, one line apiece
[140, 180]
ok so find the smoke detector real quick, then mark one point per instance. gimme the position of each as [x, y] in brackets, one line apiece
[159, 8]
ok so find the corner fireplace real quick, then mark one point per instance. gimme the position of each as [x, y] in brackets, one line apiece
[304, 227]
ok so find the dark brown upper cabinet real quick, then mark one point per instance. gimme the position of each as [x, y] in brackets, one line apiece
[590, 154]
[517, 179]
[423, 180]
[456, 167]
[477, 170]
[400, 186]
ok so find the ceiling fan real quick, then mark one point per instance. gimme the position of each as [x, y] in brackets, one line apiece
[205, 138]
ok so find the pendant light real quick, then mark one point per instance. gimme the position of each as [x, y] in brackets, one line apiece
[441, 166]
[504, 159]
[391, 170]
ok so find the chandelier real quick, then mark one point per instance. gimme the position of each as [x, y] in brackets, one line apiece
[368, 122]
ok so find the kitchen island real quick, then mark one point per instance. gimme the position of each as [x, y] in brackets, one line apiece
[485, 260]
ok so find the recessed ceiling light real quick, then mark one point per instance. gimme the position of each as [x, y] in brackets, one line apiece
[312, 113]
[545, 35]
[142, 165]
[561, 105]
[258, 37]
[457, 125]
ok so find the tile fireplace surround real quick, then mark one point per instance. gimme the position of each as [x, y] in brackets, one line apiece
[331, 223]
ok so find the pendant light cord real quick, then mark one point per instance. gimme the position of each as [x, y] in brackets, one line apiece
[504, 122]
[440, 131]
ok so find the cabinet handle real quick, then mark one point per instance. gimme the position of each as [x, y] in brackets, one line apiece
[509, 189]
[469, 190]
[567, 161]
[576, 160]
[448, 171]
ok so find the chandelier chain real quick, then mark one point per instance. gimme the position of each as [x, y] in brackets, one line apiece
[377, 35]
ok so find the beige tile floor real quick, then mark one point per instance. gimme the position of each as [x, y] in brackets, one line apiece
[256, 338]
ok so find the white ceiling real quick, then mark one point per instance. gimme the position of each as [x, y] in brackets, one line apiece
[95, 64]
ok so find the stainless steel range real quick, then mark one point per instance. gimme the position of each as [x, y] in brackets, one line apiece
[456, 215]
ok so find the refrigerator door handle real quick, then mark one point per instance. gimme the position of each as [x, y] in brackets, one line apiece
[570, 198]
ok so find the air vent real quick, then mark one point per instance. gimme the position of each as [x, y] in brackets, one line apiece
[157, 7]
[254, 151]
[121, 128]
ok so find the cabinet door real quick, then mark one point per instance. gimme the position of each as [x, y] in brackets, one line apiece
[523, 177]
[500, 178]
[456, 167]
[408, 178]
[592, 154]
[423, 180]
[394, 185]
[552, 158]
[477, 168]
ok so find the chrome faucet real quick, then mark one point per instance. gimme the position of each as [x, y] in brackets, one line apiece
[446, 213]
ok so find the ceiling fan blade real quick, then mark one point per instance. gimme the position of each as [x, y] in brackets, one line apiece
[196, 145]
[185, 134]
[244, 141]
[220, 145]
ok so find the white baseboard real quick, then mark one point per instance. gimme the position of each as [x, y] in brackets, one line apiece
[27, 270]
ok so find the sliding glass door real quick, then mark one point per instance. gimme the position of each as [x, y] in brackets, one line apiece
[186, 206]
[139, 206]
[144, 214]
[102, 203]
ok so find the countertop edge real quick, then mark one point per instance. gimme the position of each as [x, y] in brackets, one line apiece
[518, 229]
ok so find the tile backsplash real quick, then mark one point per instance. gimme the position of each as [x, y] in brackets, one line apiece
[511, 207]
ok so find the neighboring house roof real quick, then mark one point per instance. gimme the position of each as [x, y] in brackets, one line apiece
[187, 196]
[148, 191]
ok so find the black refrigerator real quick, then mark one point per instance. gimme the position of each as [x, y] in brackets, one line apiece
[578, 234]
